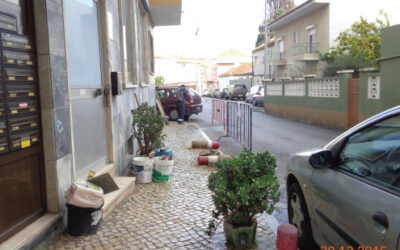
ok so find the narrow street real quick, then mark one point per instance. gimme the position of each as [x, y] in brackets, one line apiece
[281, 137]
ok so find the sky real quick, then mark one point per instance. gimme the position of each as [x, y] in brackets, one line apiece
[220, 24]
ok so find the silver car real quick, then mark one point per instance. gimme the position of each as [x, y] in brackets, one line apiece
[347, 194]
[254, 91]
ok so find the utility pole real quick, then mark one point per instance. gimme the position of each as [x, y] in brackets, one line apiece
[199, 88]
[266, 40]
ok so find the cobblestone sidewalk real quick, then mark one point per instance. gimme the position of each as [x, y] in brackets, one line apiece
[170, 215]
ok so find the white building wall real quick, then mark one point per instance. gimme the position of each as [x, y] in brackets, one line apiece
[258, 63]
[224, 81]
[175, 71]
[167, 68]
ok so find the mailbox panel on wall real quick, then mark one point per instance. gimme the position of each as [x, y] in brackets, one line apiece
[116, 83]
[19, 106]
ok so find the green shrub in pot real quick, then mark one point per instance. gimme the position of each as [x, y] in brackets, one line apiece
[148, 127]
[242, 188]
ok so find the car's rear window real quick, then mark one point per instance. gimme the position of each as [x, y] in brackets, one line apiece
[254, 89]
[192, 92]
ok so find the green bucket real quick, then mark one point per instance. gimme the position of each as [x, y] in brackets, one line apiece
[159, 177]
[162, 169]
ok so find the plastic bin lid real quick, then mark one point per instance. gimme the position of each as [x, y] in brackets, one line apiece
[85, 194]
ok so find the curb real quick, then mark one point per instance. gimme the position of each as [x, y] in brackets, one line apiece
[272, 221]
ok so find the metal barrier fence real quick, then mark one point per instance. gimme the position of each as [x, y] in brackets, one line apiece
[218, 108]
[240, 123]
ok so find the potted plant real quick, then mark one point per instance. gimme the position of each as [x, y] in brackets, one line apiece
[148, 128]
[243, 187]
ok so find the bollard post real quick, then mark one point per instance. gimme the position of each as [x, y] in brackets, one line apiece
[205, 144]
[287, 237]
[206, 160]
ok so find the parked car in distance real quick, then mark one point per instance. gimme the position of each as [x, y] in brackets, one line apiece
[259, 99]
[206, 92]
[167, 96]
[237, 91]
[254, 90]
[224, 94]
[348, 192]
[214, 93]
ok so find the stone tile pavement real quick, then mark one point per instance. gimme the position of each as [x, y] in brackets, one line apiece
[170, 215]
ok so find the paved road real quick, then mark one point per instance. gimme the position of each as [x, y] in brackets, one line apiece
[282, 137]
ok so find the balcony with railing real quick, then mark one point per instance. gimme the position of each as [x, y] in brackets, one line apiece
[305, 51]
[276, 58]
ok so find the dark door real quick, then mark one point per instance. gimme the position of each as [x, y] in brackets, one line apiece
[21, 163]
[353, 101]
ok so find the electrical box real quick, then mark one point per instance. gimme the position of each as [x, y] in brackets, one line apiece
[374, 87]
[116, 83]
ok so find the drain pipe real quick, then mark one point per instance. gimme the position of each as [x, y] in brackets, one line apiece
[266, 39]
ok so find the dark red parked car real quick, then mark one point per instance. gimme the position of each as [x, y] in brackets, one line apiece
[167, 96]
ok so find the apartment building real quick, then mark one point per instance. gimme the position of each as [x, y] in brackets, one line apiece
[308, 30]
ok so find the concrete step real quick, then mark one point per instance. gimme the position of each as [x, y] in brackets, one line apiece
[30, 235]
[107, 169]
[111, 200]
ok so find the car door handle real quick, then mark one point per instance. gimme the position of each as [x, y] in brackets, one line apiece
[381, 219]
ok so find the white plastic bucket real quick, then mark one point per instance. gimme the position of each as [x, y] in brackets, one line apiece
[162, 169]
[143, 167]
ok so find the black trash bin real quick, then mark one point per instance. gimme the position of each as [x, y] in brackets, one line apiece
[82, 220]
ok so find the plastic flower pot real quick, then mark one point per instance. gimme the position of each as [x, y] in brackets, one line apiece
[240, 236]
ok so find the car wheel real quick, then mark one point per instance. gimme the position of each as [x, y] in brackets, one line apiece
[298, 216]
[173, 114]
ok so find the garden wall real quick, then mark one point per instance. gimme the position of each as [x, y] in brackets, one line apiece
[319, 100]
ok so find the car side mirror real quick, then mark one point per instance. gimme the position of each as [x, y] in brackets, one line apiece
[321, 159]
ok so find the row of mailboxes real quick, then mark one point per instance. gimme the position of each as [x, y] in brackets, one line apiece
[17, 58]
[19, 124]
[8, 23]
[20, 108]
[19, 118]
[19, 75]
[16, 41]
[19, 141]
[19, 91]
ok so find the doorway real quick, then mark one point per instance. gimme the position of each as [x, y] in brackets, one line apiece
[22, 187]
[354, 91]
[87, 91]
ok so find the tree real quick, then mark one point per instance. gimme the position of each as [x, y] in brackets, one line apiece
[159, 80]
[361, 41]
[261, 36]
[279, 7]
[276, 9]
